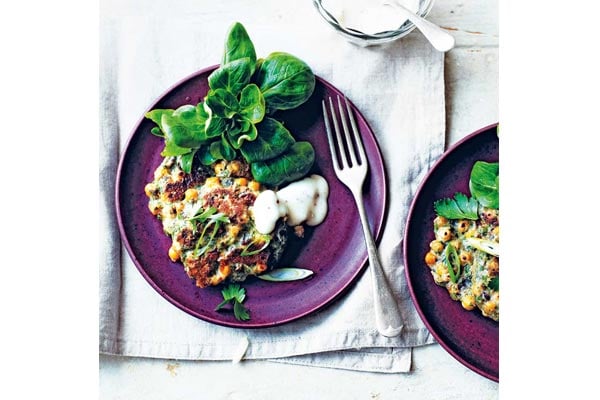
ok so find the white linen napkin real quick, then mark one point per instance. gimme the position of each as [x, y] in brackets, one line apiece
[399, 88]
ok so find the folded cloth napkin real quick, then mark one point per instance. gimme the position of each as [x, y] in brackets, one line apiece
[399, 88]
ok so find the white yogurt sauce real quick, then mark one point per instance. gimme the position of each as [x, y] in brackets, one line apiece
[369, 16]
[301, 201]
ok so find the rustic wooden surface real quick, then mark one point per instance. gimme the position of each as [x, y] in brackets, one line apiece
[471, 73]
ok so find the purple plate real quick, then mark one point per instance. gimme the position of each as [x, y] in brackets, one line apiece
[467, 335]
[334, 250]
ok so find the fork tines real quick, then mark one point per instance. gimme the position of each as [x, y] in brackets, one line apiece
[351, 152]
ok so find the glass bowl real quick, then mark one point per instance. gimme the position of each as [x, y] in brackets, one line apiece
[365, 39]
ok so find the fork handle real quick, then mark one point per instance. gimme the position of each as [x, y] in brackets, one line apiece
[387, 315]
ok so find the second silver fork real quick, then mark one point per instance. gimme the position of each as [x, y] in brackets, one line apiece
[351, 165]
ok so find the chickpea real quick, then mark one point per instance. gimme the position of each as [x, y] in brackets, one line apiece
[220, 167]
[178, 176]
[213, 181]
[477, 289]
[260, 268]
[150, 190]
[155, 209]
[440, 221]
[241, 181]
[493, 266]
[436, 246]
[462, 226]
[440, 273]
[444, 234]
[159, 173]
[468, 302]
[430, 258]
[224, 270]
[174, 253]
[234, 230]
[234, 167]
[489, 215]
[453, 289]
[488, 307]
[465, 257]
[254, 186]
[191, 194]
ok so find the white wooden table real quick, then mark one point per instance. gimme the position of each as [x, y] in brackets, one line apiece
[471, 73]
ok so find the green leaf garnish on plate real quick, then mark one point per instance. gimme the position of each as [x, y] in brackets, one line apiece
[235, 294]
[484, 184]
[461, 207]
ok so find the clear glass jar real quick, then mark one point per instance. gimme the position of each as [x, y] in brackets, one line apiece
[367, 39]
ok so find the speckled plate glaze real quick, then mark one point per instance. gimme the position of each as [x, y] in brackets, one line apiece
[334, 250]
[467, 335]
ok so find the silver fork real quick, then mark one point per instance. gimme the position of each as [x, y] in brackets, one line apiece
[352, 172]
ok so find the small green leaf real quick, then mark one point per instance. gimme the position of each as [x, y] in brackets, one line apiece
[222, 103]
[252, 104]
[171, 149]
[494, 283]
[204, 155]
[186, 126]
[222, 304]
[232, 291]
[240, 312]
[156, 115]
[232, 76]
[273, 140]
[458, 208]
[238, 45]
[157, 132]
[187, 160]
[288, 167]
[238, 140]
[484, 184]
[235, 294]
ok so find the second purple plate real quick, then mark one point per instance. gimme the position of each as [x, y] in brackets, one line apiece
[334, 250]
[467, 335]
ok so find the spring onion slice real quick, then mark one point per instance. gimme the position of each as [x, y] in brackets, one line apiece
[487, 246]
[451, 258]
[286, 274]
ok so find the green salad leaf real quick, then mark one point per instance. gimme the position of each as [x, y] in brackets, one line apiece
[171, 149]
[461, 207]
[484, 184]
[285, 81]
[233, 76]
[273, 140]
[288, 167]
[231, 118]
[238, 45]
[252, 104]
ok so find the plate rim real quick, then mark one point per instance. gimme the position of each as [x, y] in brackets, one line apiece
[379, 224]
[405, 250]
